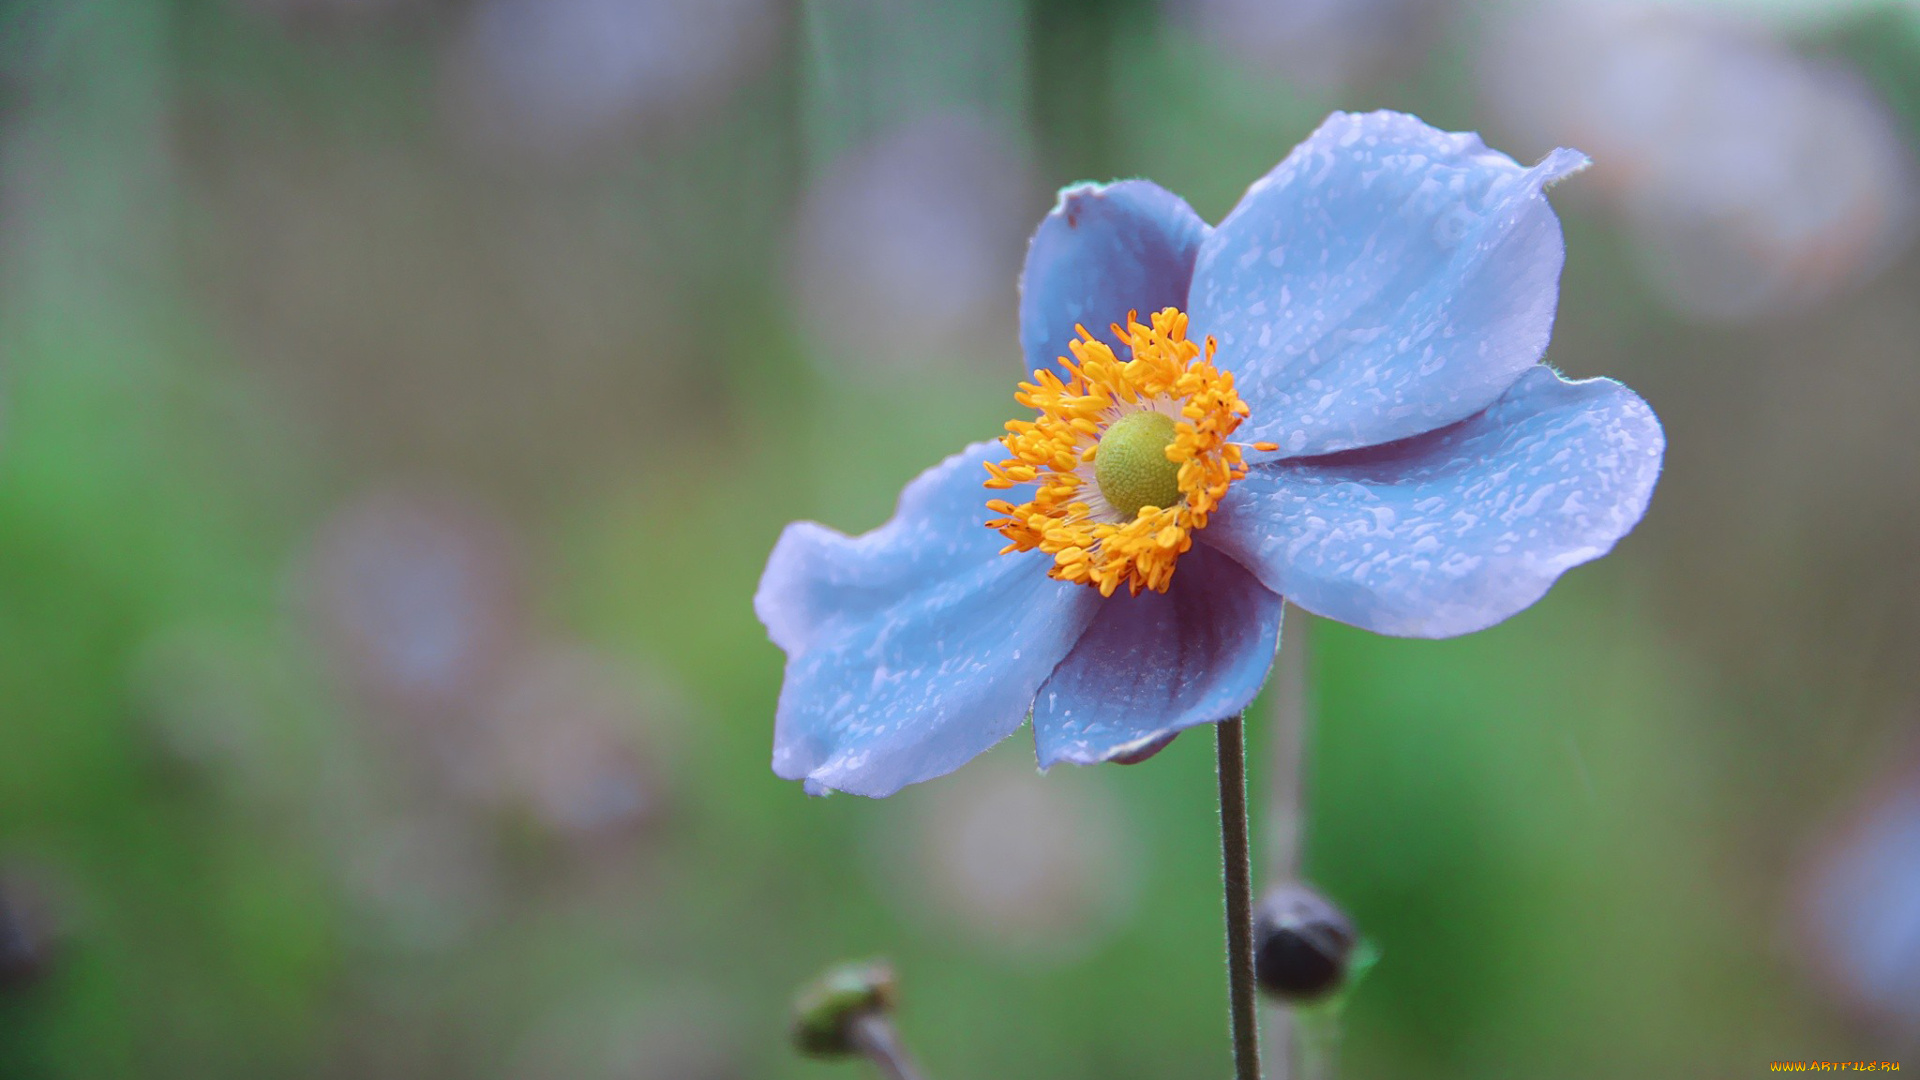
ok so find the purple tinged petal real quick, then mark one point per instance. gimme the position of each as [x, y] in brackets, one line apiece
[1383, 281]
[1104, 250]
[1153, 664]
[914, 647]
[1456, 530]
[817, 578]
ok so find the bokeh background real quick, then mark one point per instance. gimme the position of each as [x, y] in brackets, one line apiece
[401, 396]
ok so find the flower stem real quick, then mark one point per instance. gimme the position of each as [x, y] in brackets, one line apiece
[1303, 1047]
[1319, 1046]
[1285, 811]
[873, 1035]
[1232, 746]
[1286, 807]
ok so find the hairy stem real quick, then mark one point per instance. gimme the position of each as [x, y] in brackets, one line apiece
[1234, 844]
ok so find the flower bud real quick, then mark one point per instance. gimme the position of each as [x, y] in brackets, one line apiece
[1303, 945]
[824, 1013]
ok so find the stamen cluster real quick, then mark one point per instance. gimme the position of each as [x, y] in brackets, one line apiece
[1068, 517]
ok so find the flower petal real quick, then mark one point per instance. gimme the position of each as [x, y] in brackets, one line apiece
[916, 646]
[1386, 279]
[1104, 250]
[1155, 663]
[1458, 529]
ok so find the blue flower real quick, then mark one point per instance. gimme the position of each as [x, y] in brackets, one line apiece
[1374, 311]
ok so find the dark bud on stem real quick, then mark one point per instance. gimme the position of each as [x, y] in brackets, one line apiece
[826, 1012]
[1302, 944]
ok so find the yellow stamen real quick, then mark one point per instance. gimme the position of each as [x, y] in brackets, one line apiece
[1070, 516]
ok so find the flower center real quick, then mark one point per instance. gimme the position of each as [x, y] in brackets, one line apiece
[1126, 458]
[1131, 465]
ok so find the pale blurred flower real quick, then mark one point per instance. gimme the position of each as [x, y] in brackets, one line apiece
[1038, 867]
[419, 880]
[1861, 905]
[418, 595]
[553, 77]
[1754, 180]
[575, 741]
[906, 251]
[633, 1032]
[1323, 44]
[1791, 13]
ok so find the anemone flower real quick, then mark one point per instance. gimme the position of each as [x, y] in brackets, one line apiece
[1336, 397]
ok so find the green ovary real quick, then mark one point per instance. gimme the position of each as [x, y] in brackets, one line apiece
[1131, 465]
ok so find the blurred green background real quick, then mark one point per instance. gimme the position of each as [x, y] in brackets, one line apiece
[401, 396]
